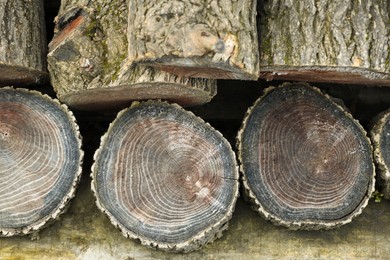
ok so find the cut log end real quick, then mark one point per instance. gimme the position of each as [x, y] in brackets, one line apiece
[40, 160]
[119, 97]
[307, 163]
[165, 177]
[21, 76]
[380, 136]
[322, 74]
[198, 68]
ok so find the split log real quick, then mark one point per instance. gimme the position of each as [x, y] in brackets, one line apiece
[89, 68]
[40, 160]
[325, 41]
[22, 43]
[380, 137]
[307, 164]
[210, 39]
[165, 177]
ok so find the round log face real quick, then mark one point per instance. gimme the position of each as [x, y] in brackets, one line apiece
[164, 176]
[39, 160]
[304, 159]
[381, 140]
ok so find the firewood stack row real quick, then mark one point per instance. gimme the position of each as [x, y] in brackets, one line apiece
[161, 174]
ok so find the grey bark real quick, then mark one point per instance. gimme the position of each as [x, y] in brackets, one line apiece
[165, 177]
[40, 160]
[328, 41]
[22, 43]
[89, 68]
[213, 39]
[306, 163]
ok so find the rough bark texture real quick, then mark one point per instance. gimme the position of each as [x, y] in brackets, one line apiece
[328, 41]
[307, 163]
[89, 68]
[22, 43]
[212, 39]
[165, 177]
[40, 160]
[380, 134]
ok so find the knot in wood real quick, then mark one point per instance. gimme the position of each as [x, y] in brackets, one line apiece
[203, 41]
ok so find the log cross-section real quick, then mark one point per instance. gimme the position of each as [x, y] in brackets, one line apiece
[380, 136]
[307, 163]
[210, 39]
[165, 177]
[40, 160]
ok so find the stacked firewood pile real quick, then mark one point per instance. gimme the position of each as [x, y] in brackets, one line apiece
[162, 174]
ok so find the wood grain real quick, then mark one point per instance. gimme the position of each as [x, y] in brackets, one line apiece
[22, 43]
[165, 177]
[89, 66]
[40, 160]
[208, 39]
[325, 41]
[307, 163]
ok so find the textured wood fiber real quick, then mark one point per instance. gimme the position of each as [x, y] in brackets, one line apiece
[307, 163]
[22, 43]
[165, 177]
[40, 160]
[89, 68]
[211, 39]
[325, 41]
[380, 134]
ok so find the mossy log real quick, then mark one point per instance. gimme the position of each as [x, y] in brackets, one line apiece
[165, 177]
[22, 43]
[307, 164]
[380, 136]
[40, 160]
[325, 41]
[89, 68]
[210, 39]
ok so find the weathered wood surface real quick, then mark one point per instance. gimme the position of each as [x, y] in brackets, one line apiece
[380, 137]
[211, 39]
[22, 43]
[165, 177]
[307, 163]
[89, 68]
[325, 41]
[40, 160]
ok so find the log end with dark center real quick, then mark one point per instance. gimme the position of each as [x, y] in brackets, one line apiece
[40, 160]
[307, 163]
[165, 177]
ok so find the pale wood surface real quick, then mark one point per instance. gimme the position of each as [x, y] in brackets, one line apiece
[211, 39]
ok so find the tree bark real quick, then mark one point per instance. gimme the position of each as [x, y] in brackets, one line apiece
[307, 163]
[89, 67]
[165, 177]
[211, 39]
[40, 160]
[22, 43]
[326, 41]
[380, 133]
